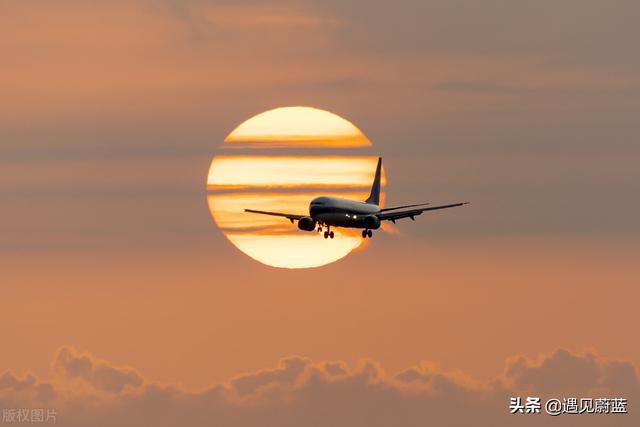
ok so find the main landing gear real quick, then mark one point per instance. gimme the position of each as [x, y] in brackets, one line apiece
[367, 233]
[328, 233]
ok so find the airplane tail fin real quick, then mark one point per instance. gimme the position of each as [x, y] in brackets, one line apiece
[374, 197]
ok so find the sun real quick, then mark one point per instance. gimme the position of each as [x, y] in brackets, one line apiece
[279, 160]
[297, 127]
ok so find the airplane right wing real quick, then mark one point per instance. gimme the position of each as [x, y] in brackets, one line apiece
[393, 208]
[393, 216]
[290, 217]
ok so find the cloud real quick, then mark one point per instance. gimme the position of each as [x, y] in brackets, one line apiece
[15, 390]
[100, 60]
[70, 364]
[300, 391]
[564, 372]
[288, 371]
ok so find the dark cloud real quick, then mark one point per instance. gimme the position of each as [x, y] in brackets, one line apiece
[571, 32]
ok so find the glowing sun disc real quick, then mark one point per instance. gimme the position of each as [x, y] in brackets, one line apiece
[297, 127]
[286, 183]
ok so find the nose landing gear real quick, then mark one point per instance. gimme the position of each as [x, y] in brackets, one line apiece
[367, 233]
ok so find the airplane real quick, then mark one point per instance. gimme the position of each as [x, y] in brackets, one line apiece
[339, 212]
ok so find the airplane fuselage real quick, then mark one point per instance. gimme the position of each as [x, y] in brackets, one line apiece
[326, 212]
[339, 212]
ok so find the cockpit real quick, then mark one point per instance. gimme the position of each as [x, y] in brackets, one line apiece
[319, 201]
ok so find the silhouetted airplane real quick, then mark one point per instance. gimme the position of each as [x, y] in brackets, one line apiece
[337, 212]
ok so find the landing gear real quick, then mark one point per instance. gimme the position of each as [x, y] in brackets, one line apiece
[367, 233]
[328, 233]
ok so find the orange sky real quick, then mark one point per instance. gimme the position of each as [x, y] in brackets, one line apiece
[110, 115]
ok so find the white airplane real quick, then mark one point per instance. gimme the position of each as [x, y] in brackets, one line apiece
[337, 212]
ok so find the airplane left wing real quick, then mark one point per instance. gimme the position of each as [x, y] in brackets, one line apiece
[290, 217]
[393, 216]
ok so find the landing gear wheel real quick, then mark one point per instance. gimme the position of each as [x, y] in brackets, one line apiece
[364, 234]
[319, 229]
[331, 234]
[369, 233]
[326, 234]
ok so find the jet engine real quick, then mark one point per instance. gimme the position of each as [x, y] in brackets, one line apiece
[307, 223]
[372, 222]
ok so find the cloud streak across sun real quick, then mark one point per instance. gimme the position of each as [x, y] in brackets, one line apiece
[290, 172]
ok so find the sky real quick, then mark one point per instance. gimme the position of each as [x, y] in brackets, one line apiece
[123, 303]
